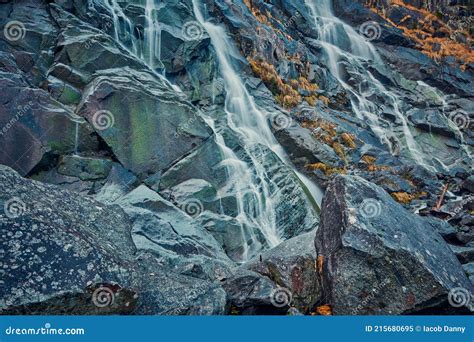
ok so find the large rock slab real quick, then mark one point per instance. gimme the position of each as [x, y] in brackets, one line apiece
[239, 241]
[56, 245]
[173, 236]
[292, 265]
[283, 278]
[147, 124]
[83, 49]
[166, 293]
[378, 257]
[250, 293]
[304, 149]
[67, 254]
[31, 39]
[32, 123]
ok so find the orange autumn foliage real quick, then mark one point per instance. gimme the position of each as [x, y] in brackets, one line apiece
[324, 310]
[425, 35]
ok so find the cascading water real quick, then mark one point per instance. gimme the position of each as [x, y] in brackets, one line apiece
[249, 181]
[77, 121]
[441, 99]
[144, 43]
[343, 45]
[260, 177]
[152, 37]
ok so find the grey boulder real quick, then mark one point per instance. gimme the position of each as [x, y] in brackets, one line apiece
[378, 257]
[63, 253]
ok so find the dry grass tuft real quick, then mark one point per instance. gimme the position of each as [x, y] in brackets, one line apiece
[426, 34]
[328, 171]
[287, 94]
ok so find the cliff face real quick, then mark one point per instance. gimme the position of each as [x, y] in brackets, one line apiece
[456, 14]
[180, 150]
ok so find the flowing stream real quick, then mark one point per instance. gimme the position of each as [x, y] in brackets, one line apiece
[249, 181]
[260, 176]
[144, 43]
[346, 52]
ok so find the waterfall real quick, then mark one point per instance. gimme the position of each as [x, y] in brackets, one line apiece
[77, 122]
[341, 43]
[260, 178]
[152, 37]
[124, 31]
[442, 100]
[250, 180]
[143, 43]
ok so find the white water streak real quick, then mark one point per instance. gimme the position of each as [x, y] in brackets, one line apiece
[333, 37]
[251, 125]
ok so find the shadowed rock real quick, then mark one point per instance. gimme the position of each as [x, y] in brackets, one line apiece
[378, 257]
[67, 254]
[174, 235]
[292, 265]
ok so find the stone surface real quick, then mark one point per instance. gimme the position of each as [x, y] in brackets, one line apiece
[292, 265]
[33, 124]
[174, 236]
[56, 245]
[147, 125]
[250, 293]
[378, 258]
[84, 168]
[152, 151]
[67, 254]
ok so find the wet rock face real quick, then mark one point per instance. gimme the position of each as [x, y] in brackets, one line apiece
[175, 237]
[158, 126]
[154, 229]
[32, 123]
[280, 280]
[249, 293]
[166, 293]
[380, 259]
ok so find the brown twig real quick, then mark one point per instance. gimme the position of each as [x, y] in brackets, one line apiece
[441, 197]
